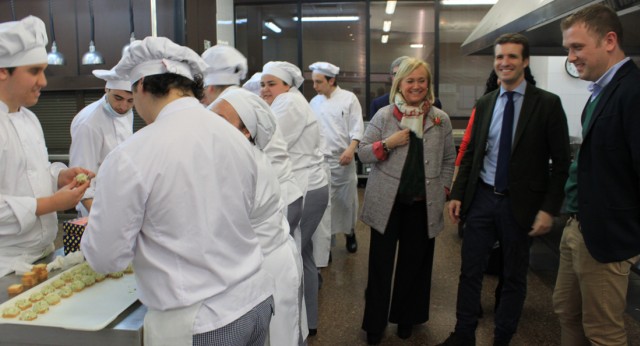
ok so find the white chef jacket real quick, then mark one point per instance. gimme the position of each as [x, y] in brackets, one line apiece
[26, 176]
[95, 131]
[301, 131]
[340, 117]
[175, 198]
[282, 259]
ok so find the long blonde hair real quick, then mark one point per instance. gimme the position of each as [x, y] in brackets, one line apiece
[406, 67]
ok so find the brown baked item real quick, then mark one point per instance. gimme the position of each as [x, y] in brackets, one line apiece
[23, 304]
[10, 312]
[29, 279]
[36, 297]
[15, 289]
[41, 307]
[42, 275]
[38, 267]
[52, 299]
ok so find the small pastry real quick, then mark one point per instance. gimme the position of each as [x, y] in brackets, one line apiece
[46, 290]
[11, 312]
[42, 275]
[100, 277]
[39, 267]
[88, 280]
[29, 279]
[65, 292]
[28, 315]
[58, 283]
[115, 275]
[15, 289]
[36, 297]
[52, 299]
[23, 304]
[77, 286]
[41, 307]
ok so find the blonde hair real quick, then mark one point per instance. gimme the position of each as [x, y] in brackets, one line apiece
[406, 68]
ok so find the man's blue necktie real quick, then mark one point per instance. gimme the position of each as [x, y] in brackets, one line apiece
[504, 150]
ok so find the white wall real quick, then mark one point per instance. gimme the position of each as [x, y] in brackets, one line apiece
[550, 75]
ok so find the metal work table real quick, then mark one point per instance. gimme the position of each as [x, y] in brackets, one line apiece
[126, 329]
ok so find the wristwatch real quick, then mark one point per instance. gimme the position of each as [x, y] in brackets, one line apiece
[385, 147]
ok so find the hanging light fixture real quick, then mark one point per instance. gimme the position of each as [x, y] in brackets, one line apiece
[92, 57]
[54, 57]
[131, 28]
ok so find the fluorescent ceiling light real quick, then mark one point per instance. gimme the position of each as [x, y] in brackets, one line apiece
[329, 19]
[416, 45]
[273, 27]
[229, 22]
[391, 7]
[386, 26]
[264, 37]
[384, 39]
[468, 2]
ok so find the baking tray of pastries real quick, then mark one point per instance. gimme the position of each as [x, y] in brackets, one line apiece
[77, 298]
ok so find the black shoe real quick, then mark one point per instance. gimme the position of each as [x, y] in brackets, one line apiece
[404, 331]
[456, 339]
[374, 338]
[500, 342]
[313, 332]
[352, 243]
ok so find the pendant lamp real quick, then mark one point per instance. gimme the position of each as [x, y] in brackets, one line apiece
[54, 57]
[92, 57]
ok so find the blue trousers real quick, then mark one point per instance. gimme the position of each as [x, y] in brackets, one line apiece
[490, 218]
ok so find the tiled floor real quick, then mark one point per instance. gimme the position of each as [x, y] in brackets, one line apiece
[342, 298]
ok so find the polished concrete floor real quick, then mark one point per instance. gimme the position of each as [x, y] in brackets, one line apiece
[341, 297]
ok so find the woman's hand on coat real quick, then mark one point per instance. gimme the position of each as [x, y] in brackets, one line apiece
[398, 139]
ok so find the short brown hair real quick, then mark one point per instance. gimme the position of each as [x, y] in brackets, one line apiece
[517, 39]
[599, 19]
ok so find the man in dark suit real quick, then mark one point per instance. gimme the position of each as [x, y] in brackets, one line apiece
[506, 188]
[602, 238]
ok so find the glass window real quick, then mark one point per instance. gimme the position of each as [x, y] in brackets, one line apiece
[462, 78]
[409, 30]
[336, 32]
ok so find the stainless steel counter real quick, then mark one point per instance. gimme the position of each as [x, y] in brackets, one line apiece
[126, 329]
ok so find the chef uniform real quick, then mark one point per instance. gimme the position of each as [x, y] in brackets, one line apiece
[340, 116]
[282, 259]
[227, 67]
[175, 198]
[301, 131]
[97, 129]
[26, 171]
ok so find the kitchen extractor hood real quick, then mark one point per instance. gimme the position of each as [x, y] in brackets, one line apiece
[539, 20]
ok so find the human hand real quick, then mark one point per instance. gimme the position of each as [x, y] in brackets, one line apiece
[69, 195]
[346, 157]
[67, 176]
[542, 224]
[454, 210]
[398, 139]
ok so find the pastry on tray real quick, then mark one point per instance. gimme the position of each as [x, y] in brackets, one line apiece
[23, 304]
[41, 307]
[28, 315]
[11, 312]
[52, 298]
[14, 290]
[36, 297]
[65, 292]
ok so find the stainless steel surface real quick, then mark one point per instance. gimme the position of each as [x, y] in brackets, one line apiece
[541, 25]
[124, 330]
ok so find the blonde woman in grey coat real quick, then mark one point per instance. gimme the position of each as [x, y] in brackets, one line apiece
[411, 146]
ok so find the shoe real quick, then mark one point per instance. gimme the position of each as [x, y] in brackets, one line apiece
[374, 338]
[456, 339]
[500, 342]
[404, 331]
[313, 332]
[352, 243]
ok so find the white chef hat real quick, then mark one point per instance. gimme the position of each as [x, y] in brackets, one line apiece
[113, 80]
[23, 42]
[159, 55]
[325, 68]
[286, 71]
[253, 84]
[227, 66]
[254, 112]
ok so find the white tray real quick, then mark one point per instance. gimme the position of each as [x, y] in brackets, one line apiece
[91, 309]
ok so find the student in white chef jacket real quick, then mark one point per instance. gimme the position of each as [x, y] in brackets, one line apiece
[31, 188]
[227, 67]
[253, 117]
[340, 115]
[99, 127]
[175, 199]
[280, 81]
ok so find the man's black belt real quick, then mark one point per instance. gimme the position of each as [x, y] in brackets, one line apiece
[493, 188]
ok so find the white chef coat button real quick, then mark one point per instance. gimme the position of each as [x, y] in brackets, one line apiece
[428, 182]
